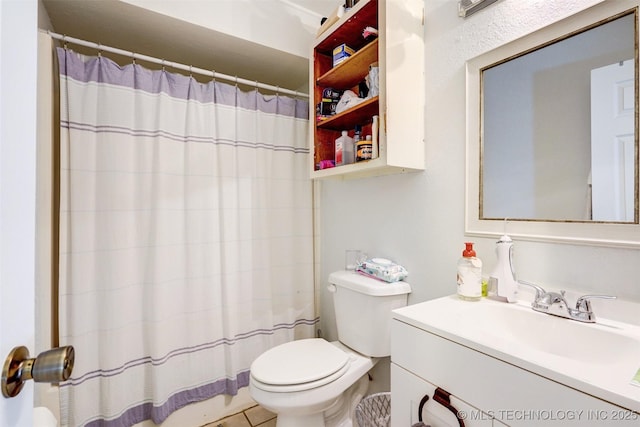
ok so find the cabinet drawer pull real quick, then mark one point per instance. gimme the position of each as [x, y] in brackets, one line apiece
[442, 397]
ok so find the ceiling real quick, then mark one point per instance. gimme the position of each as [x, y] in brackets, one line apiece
[124, 26]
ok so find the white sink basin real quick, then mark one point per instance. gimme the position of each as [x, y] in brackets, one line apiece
[550, 334]
[600, 359]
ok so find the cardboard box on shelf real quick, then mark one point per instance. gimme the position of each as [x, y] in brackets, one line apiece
[340, 53]
[326, 107]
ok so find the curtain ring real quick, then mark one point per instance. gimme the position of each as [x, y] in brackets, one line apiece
[99, 50]
[133, 55]
[162, 63]
[64, 41]
[236, 81]
[213, 75]
[191, 71]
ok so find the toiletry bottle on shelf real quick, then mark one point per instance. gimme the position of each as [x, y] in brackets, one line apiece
[502, 281]
[363, 149]
[469, 274]
[344, 149]
[356, 140]
[374, 136]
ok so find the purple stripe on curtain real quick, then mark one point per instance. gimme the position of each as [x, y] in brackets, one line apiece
[182, 351]
[181, 138]
[146, 411]
[103, 70]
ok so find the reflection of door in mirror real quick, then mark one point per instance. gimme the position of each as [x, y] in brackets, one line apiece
[536, 153]
[612, 142]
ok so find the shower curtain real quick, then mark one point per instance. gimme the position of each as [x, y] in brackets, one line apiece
[185, 237]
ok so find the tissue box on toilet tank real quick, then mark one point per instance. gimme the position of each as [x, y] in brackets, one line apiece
[341, 53]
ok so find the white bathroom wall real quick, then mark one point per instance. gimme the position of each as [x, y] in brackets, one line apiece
[417, 219]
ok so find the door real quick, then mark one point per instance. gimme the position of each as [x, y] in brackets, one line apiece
[18, 70]
[613, 142]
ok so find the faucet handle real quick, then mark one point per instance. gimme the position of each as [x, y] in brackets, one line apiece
[539, 290]
[584, 304]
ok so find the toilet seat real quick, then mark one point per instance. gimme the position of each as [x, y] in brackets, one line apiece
[299, 365]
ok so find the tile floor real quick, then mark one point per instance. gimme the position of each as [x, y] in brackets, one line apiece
[256, 416]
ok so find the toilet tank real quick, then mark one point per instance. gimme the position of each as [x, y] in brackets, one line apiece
[363, 310]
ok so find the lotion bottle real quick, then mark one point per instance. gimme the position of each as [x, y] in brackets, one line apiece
[502, 282]
[469, 274]
[374, 136]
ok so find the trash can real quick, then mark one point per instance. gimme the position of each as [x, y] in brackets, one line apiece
[374, 410]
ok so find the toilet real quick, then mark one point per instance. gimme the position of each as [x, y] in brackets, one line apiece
[317, 383]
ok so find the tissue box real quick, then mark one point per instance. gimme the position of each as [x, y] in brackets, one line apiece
[327, 107]
[341, 53]
[383, 269]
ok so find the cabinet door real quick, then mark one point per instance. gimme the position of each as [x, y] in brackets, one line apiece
[407, 390]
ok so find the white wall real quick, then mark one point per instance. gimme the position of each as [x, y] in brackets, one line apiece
[418, 218]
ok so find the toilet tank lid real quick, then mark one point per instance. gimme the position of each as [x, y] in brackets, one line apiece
[366, 285]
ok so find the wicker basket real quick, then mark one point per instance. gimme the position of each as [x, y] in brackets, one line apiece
[374, 411]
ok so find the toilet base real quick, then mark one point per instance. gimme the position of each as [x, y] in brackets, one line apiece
[311, 420]
[339, 414]
[343, 413]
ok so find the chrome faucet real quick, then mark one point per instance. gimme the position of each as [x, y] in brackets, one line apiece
[555, 303]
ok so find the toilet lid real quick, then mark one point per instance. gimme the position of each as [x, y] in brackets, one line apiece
[299, 362]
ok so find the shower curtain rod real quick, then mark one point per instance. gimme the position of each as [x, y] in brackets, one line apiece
[189, 68]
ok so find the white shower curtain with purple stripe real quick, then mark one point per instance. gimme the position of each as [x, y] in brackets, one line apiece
[185, 237]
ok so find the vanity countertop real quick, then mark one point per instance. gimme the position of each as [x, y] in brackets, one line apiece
[599, 359]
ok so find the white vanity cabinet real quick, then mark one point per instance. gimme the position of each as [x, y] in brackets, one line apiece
[490, 391]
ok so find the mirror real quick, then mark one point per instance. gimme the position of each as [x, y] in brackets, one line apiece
[550, 135]
[552, 131]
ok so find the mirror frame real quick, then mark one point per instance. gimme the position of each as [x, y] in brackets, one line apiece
[574, 232]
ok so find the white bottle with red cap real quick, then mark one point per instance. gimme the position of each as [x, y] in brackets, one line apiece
[469, 274]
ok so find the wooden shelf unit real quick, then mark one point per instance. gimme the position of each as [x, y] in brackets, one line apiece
[349, 73]
[399, 148]
[344, 76]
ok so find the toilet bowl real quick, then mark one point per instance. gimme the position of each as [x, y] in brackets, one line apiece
[316, 383]
[302, 380]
